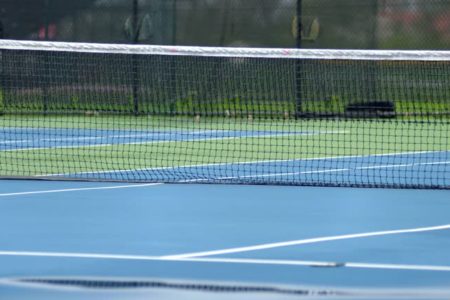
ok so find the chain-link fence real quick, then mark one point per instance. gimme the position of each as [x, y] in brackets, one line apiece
[384, 24]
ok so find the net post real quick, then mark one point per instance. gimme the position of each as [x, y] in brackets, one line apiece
[134, 58]
[298, 62]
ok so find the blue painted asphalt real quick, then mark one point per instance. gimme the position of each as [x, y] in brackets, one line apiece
[426, 168]
[162, 220]
[39, 138]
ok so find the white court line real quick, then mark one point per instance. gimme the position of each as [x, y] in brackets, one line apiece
[320, 264]
[91, 146]
[24, 130]
[268, 175]
[305, 241]
[323, 264]
[437, 163]
[172, 141]
[79, 189]
[250, 163]
[405, 165]
[103, 137]
[322, 171]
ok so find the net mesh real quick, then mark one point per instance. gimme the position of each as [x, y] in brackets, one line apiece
[224, 115]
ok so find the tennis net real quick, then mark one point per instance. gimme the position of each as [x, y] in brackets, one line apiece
[224, 115]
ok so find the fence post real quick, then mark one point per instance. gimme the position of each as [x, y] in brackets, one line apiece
[298, 62]
[174, 22]
[373, 68]
[46, 83]
[2, 78]
[134, 58]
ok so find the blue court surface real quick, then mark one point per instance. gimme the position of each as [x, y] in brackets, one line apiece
[49, 138]
[221, 241]
[415, 166]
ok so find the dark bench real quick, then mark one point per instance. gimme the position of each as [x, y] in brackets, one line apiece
[374, 109]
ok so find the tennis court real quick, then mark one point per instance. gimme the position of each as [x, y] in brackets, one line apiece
[333, 240]
[351, 168]
[323, 152]
[136, 171]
